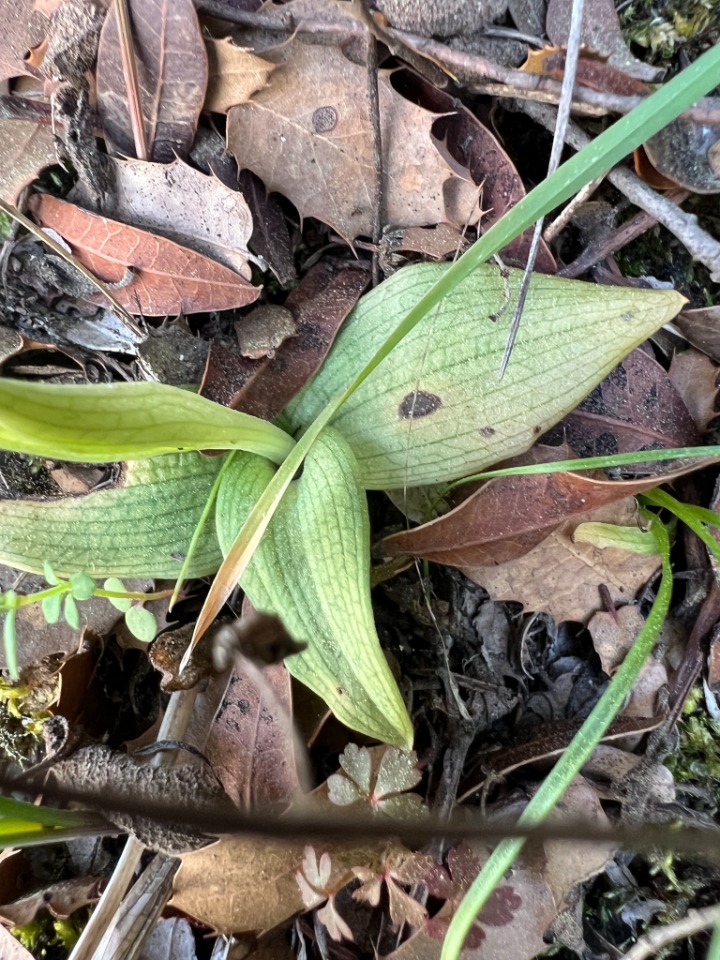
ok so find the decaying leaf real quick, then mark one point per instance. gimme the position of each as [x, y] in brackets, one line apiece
[172, 76]
[636, 407]
[250, 745]
[308, 136]
[435, 409]
[61, 899]
[28, 148]
[183, 204]
[473, 150]
[702, 328]
[562, 577]
[695, 377]
[163, 276]
[235, 74]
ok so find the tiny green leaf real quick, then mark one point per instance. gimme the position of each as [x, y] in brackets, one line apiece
[71, 612]
[312, 570]
[141, 623]
[125, 421]
[51, 607]
[82, 587]
[117, 586]
[604, 535]
[49, 574]
[434, 409]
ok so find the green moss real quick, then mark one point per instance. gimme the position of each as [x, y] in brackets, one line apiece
[698, 758]
[662, 27]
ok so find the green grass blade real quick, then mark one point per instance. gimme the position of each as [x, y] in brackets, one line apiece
[584, 742]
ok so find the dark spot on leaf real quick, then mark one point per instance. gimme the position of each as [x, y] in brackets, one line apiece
[500, 909]
[487, 431]
[340, 691]
[419, 404]
[243, 706]
[324, 119]
[537, 430]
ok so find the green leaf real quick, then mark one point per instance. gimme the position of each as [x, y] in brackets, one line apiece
[464, 418]
[117, 586]
[82, 587]
[139, 528]
[71, 612]
[125, 421]
[141, 623]
[312, 570]
[50, 575]
[604, 535]
[51, 607]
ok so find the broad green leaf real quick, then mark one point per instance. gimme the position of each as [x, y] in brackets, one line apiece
[312, 570]
[463, 418]
[126, 421]
[139, 528]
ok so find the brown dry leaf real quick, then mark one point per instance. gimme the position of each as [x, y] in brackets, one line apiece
[172, 78]
[511, 924]
[28, 148]
[245, 883]
[591, 71]
[601, 33]
[472, 149]
[507, 516]
[570, 862]
[235, 74]
[308, 135]
[270, 237]
[166, 278]
[636, 407]
[695, 377]
[562, 577]
[320, 303]
[24, 25]
[437, 243]
[613, 635]
[186, 206]
[171, 939]
[250, 746]
[61, 899]
[702, 328]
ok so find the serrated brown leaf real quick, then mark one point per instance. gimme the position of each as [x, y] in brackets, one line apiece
[167, 278]
[28, 148]
[187, 206]
[469, 145]
[172, 72]
[324, 297]
[235, 74]
[308, 136]
[562, 577]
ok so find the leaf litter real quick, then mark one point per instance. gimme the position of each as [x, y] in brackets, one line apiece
[190, 229]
